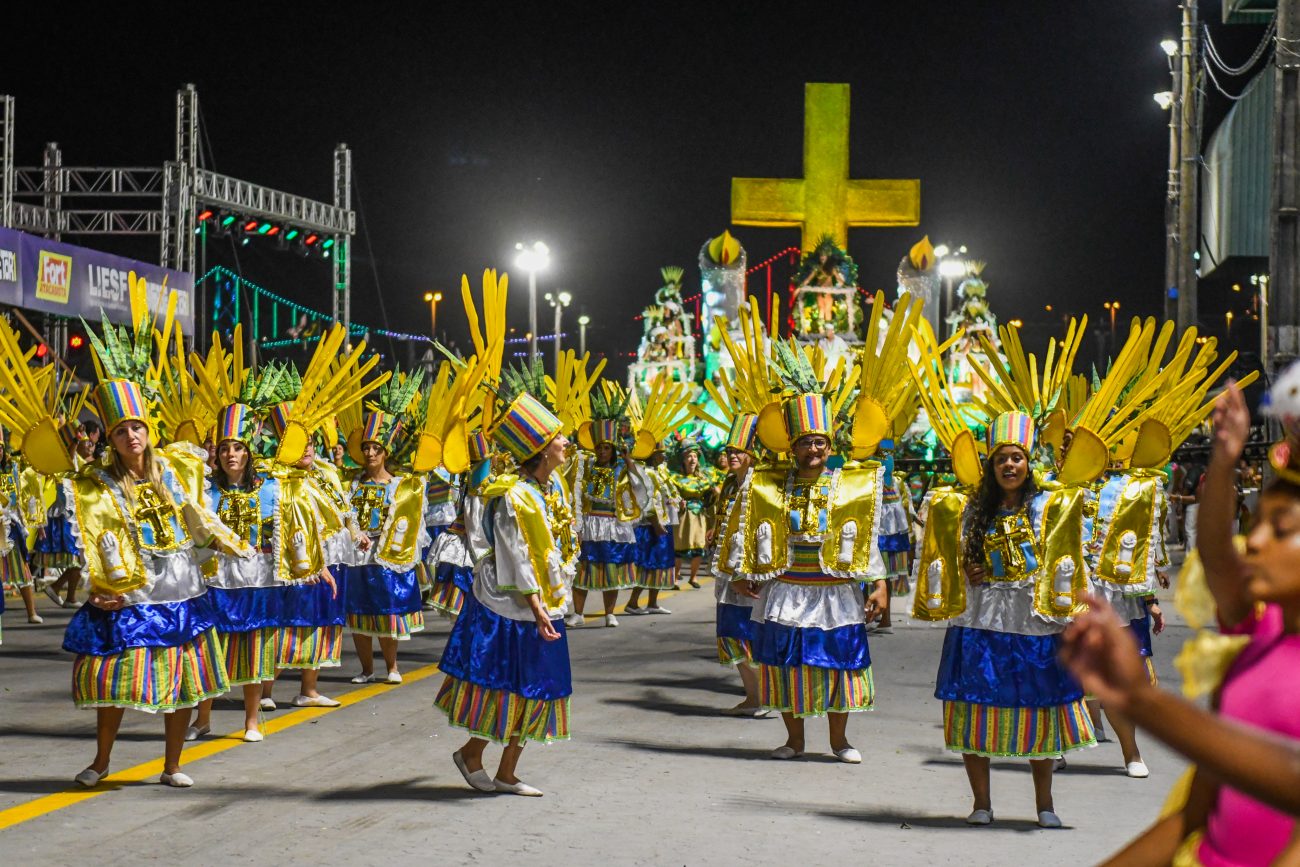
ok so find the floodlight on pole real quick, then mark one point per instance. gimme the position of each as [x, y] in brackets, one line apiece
[1164, 99]
[1169, 47]
[952, 268]
[583, 321]
[559, 301]
[532, 258]
[433, 298]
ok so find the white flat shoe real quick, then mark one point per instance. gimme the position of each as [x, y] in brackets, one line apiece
[177, 780]
[980, 817]
[314, 701]
[849, 755]
[193, 733]
[253, 736]
[633, 609]
[783, 753]
[611, 620]
[519, 788]
[36, 619]
[477, 779]
[573, 621]
[1048, 819]
[657, 609]
[90, 777]
[743, 711]
[392, 677]
[363, 678]
[1137, 770]
[1058, 763]
[267, 704]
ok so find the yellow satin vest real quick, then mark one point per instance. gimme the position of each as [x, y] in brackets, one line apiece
[765, 520]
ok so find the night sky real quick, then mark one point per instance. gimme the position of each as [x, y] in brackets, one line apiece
[613, 135]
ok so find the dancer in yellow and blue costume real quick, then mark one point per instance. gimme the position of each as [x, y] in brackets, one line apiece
[507, 658]
[382, 592]
[450, 558]
[801, 540]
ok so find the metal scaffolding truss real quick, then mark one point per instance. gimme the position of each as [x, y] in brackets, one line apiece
[223, 191]
[165, 201]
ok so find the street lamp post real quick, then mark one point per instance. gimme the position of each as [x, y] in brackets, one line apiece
[1228, 317]
[1171, 101]
[949, 269]
[532, 258]
[559, 301]
[433, 298]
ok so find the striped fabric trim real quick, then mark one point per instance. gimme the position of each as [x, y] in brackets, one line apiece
[605, 576]
[656, 579]
[312, 647]
[500, 716]
[897, 563]
[152, 679]
[13, 574]
[447, 598]
[734, 651]
[399, 626]
[422, 579]
[808, 690]
[1023, 732]
[250, 656]
[60, 560]
[806, 567]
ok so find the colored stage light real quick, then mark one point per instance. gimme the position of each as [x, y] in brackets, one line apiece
[204, 215]
[250, 225]
[227, 220]
[329, 243]
[273, 231]
[76, 341]
[42, 350]
[291, 234]
[311, 239]
[264, 228]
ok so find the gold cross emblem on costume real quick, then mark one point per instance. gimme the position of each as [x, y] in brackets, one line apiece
[154, 518]
[241, 511]
[825, 201]
[1012, 533]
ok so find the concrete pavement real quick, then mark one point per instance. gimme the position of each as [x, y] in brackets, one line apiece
[653, 775]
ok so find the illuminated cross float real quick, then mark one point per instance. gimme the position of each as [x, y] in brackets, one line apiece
[825, 201]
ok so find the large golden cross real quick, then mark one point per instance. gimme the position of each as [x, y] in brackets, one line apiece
[825, 201]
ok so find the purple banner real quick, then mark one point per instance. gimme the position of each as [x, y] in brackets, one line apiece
[53, 277]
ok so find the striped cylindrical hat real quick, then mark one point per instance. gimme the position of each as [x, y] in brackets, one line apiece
[604, 430]
[1013, 428]
[279, 416]
[235, 421]
[121, 400]
[807, 414]
[381, 427]
[526, 428]
[479, 447]
[743, 433]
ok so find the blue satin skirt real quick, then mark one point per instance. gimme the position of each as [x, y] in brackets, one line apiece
[58, 538]
[95, 632]
[1141, 629]
[375, 589]
[843, 648]
[734, 622]
[1003, 669]
[495, 652]
[894, 543]
[461, 576]
[617, 553]
[309, 605]
[652, 551]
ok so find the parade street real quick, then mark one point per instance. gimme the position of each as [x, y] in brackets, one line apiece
[653, 775]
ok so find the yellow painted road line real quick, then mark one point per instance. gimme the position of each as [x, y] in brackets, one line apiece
[75, 794]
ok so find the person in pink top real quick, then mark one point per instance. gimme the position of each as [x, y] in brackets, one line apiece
[1245, 795]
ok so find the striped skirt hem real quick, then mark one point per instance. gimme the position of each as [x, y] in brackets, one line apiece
[808, 690]
[60, 560]
[250, 656]
[501, 716]
[398, 626]
[734, 651]
[310, 647]
[1022, 732]
[447, 598]
[657, 579]
[152, 679]
[13, 572]
[605, 576]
